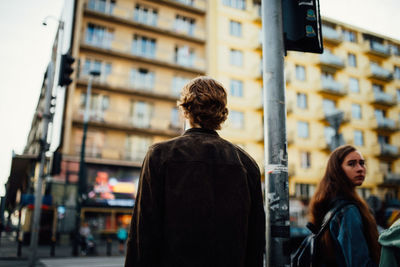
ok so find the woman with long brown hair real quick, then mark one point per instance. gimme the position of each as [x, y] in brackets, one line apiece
[352, 239]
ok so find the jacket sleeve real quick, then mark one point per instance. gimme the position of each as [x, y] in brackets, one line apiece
[256, 224]
[144, 239]
[349, 236]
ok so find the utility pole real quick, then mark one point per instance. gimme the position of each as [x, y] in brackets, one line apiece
[81, 194]
[43, 148]
[275, 144]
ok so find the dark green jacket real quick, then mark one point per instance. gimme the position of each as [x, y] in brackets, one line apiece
[199, 204]
[390, 241]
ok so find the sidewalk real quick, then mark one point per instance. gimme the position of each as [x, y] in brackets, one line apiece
[9, 249]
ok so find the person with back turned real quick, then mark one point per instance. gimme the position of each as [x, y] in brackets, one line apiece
[199, 202]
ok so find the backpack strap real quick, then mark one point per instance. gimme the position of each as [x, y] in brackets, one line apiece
[329, 215]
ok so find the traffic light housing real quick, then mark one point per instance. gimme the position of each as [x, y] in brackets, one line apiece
[302, 25]
[66, 70]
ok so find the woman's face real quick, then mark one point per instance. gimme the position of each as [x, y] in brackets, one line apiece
[354, 167]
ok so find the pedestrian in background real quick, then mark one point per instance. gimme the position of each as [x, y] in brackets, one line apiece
[390, 241]
[199, 201]
[122, 235]
[352, 239]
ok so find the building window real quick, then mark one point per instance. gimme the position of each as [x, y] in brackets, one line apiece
[354, 85]
[329, 106]
[329, 132]
[300, 73]
[305, 191]
[141, 113]
[238, 4]
[104, 6]
[184, 25]
[105, 68]
[97, 106]
[99, 36]
[377, 88]
[356, 111]
[301, 100]
[143, 46]
[136, 147]
[237, 119]
[302, 129]
[358, 138]
[175, 122]
[352, 60]
[395, 49]
[145, 15]
[177, 84]
[184, 56]
[142, 79]
[396, 72]
[235, 28]
[305, 160]
[236, 88]
[350, 36]
[379, 114]
[236, 57]
[398, 94]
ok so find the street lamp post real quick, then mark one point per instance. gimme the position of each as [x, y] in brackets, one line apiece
[81, 194]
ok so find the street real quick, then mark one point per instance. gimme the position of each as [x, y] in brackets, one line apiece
[69, 262]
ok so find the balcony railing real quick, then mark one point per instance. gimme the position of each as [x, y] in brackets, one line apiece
[379, 49]
[111, 153]
[384, 98]
[378, 72]
[391, 177]
[158, 21]
[155, 86]
[385, 123]
[160, 54]
[123, 119]
[331, 60]
[331, 35]
[389, 150]
[332, 86]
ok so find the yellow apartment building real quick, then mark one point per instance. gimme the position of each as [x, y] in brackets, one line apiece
[357, 76]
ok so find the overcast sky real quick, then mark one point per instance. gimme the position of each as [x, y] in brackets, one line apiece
[26, 44]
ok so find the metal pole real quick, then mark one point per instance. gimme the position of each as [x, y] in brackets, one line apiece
[43, 149]
[82, 166]
[275, 145]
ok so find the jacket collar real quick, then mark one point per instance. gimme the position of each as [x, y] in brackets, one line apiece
[201, 131]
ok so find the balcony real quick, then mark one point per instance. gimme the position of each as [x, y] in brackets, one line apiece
[196, 6]
[101, 152]
[123, 82]
[391, 178]
[160, 55]
[383, 98]
[389, 150]
[330, 60]
[386, 124]
[331, 86]
[377, 49]
[331, 35]
[149, 21]
[377, 72]
[123, 121]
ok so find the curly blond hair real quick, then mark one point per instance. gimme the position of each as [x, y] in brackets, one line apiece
[203, 101]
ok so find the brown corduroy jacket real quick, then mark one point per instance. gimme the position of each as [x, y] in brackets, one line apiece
[199, 204]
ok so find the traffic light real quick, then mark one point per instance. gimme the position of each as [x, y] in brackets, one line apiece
[65, 70]
[302, 25]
